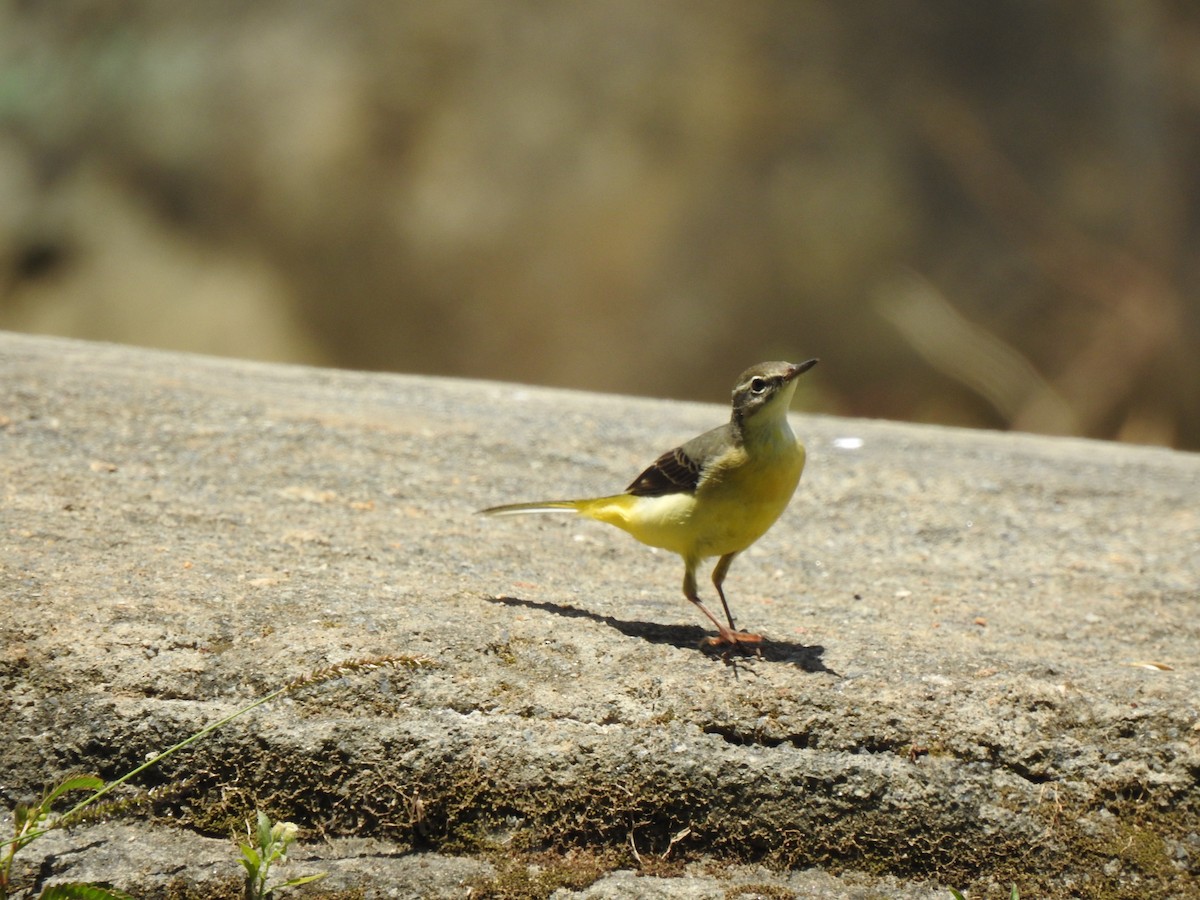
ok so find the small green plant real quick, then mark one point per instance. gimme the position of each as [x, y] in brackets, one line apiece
[82, 892]
[270, 846]
[28, 822]
[31, 822]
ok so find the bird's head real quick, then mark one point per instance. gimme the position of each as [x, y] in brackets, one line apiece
[766, 390]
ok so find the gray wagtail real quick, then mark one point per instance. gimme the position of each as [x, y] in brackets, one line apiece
[715, 495]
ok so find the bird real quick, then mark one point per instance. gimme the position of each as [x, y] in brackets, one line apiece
[714, 495]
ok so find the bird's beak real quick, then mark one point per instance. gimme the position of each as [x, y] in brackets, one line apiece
[797, 369]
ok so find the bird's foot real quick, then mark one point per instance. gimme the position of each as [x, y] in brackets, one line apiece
[729, 637]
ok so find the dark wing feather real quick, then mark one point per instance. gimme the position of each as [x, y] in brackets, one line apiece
[679, 471]
[672, 473]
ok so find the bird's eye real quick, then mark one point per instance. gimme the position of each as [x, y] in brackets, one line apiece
[758, 385]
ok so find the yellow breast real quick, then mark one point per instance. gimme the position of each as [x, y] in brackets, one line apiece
[738, 504]
[739, 498]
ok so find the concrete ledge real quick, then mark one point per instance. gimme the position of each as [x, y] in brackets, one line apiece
[981, 668]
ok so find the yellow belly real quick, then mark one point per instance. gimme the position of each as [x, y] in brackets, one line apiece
[728, 512]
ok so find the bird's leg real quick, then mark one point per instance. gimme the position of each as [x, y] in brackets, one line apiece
[719, 571]
[718, 579]
[725, 635]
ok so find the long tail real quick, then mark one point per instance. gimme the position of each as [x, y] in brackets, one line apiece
[541, 506]
[615, 510]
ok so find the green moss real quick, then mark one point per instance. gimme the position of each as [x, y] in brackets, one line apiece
[232, 888]
[1140, 848]
[568, 824]
[503, 651]
[765, 891]
[521, 876]
[666, 717]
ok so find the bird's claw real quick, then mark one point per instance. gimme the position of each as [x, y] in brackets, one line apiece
[727, 636]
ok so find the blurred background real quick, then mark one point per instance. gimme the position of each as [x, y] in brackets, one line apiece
[982, 214]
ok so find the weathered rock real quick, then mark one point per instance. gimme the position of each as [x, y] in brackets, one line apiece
[980, 667]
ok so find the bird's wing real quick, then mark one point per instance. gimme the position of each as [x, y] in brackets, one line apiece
[679, 471]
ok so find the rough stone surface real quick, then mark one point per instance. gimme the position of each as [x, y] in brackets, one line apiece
[980, 667]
